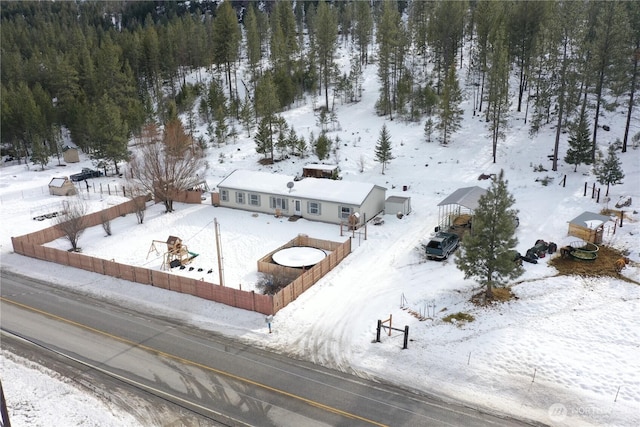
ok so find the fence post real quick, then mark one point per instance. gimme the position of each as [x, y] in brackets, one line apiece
[378, 330]
[406, 337]
[598, 199]
[585, 190]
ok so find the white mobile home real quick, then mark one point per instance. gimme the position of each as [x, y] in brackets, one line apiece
[314, 199]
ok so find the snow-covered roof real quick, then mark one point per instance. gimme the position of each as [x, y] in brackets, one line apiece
[57, 182]
[328, 190]
[467, 197]
[319, 166]
[590, 220]
[397, 199]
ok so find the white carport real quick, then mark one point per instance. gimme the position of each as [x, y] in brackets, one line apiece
[463, 201]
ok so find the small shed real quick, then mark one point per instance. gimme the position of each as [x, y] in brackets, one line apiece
[588, 226]
[70, 154]
[395, 205]
[459, 204]
[62, 187]
[317, 170]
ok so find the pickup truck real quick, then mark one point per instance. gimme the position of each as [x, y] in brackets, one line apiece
[85, 174]
[442, 245]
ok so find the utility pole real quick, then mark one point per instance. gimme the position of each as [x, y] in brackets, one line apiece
[219, 250]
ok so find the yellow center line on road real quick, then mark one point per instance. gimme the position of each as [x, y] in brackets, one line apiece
[196, 364]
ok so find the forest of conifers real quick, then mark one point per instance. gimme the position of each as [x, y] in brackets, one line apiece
[101, 70]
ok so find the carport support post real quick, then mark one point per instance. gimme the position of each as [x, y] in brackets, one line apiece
[406, 337]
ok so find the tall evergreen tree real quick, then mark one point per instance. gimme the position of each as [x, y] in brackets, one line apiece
[326, 35]
[253, 44]
[634, 69]
[525, 22]
[110, 134]
[579, 151]
[487, 251]
[383, 147]
[498, 88]
[226, 41]
[609, 170]
[557, 63]
[450, 113]
[362, 33]
[390, 53]
[445, 31]
[607, 53]
[267, 105]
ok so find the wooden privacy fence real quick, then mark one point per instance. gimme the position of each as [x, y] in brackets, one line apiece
[303, 279]
[31, 245]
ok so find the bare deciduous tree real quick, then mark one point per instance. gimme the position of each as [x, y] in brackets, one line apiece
[72, 221]
[167, 163]
[106, 223]
[139, 204]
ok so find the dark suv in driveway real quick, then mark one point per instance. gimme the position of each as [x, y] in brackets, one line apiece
[442, 245]
[85, 174]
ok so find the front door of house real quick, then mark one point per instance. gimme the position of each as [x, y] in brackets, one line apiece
[297, 207]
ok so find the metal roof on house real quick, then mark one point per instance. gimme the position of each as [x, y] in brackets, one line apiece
[328, 190]
[467, 197]
[590, 220]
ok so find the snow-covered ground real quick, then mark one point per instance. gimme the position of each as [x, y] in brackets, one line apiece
[565, 352]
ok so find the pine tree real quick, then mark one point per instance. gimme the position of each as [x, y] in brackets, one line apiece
[607, 53]
[383, 147]
[264, 143]
[363, 29]
[579, 150]
[110, 134]
[226, 39]
[498, 88]
[326, 35]
[608, 170]
[247, 115]
[487, 251]
[39, 152]
[450, 113]
[428, 129]
[323, 146]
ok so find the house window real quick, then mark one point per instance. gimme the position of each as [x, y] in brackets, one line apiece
[313, 208]
[345, 212]
[278, 203]
[240, 198]
[224, 195]
[254, 199]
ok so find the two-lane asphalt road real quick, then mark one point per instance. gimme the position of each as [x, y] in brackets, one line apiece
[213, 375]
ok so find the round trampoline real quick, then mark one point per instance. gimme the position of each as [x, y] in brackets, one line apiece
[299, 257]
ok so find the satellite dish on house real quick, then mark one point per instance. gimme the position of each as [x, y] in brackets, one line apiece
[290, 185]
